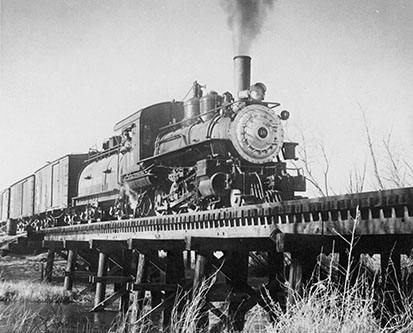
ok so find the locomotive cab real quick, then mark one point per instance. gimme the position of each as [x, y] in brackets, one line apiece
[141, 128]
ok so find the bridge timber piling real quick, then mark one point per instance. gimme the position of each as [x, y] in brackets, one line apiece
[154, 254]
[49, 265]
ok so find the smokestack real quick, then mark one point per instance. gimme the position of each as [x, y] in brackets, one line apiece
[242, 73]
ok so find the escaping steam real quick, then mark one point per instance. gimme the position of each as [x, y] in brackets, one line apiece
[245, 19]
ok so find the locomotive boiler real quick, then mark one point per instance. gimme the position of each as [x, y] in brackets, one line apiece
[208, 152]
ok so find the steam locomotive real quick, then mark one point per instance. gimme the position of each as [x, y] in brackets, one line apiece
[208, 152]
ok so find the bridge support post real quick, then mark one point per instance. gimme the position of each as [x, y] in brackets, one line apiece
[70, 268]
[126, 270]
[153, 273]
[175, 274]
[201, 270]
[101, 286]
[188, 259]
[238, 266]
[295, 278]
[200, 264]
[49, 265]
[275, 273]
[138, 295]
[94, 263]
[301, 270]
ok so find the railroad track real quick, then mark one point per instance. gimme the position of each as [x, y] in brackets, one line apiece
[388, 212]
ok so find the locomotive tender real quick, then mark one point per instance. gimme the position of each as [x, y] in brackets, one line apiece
[208, 152]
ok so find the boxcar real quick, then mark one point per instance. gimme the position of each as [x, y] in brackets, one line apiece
[4, 205]
[22, 198]
[56, 183]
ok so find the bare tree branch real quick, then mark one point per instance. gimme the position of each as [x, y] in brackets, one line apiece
[357, 179]
[394, 170]
[408, 167]
[371, 148]
[303, 154]
[326, 169]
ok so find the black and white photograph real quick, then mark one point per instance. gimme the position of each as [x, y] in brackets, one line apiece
[206, 166]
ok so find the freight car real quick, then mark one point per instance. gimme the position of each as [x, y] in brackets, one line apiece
[56, 184]
[22, 200]
[4, 207]
[44, 198]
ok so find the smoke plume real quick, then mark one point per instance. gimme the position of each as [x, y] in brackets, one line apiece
[245, 19]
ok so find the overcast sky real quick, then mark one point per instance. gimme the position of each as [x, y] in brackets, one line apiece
[70, 69]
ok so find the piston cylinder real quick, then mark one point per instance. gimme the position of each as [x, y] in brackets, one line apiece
[214, 186]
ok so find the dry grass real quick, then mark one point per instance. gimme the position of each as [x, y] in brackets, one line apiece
[324, 307]
[144, 324]
[189, 313]
[22, 318]
[33, 292]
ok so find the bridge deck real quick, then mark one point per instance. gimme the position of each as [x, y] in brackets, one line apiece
[387, 212]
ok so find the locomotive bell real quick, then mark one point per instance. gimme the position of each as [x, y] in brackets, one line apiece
[257, 91]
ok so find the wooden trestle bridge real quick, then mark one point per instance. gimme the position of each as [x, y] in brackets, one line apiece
[127, 252]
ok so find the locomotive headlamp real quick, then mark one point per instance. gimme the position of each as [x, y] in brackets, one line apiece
[257, 91]
[284, 115]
